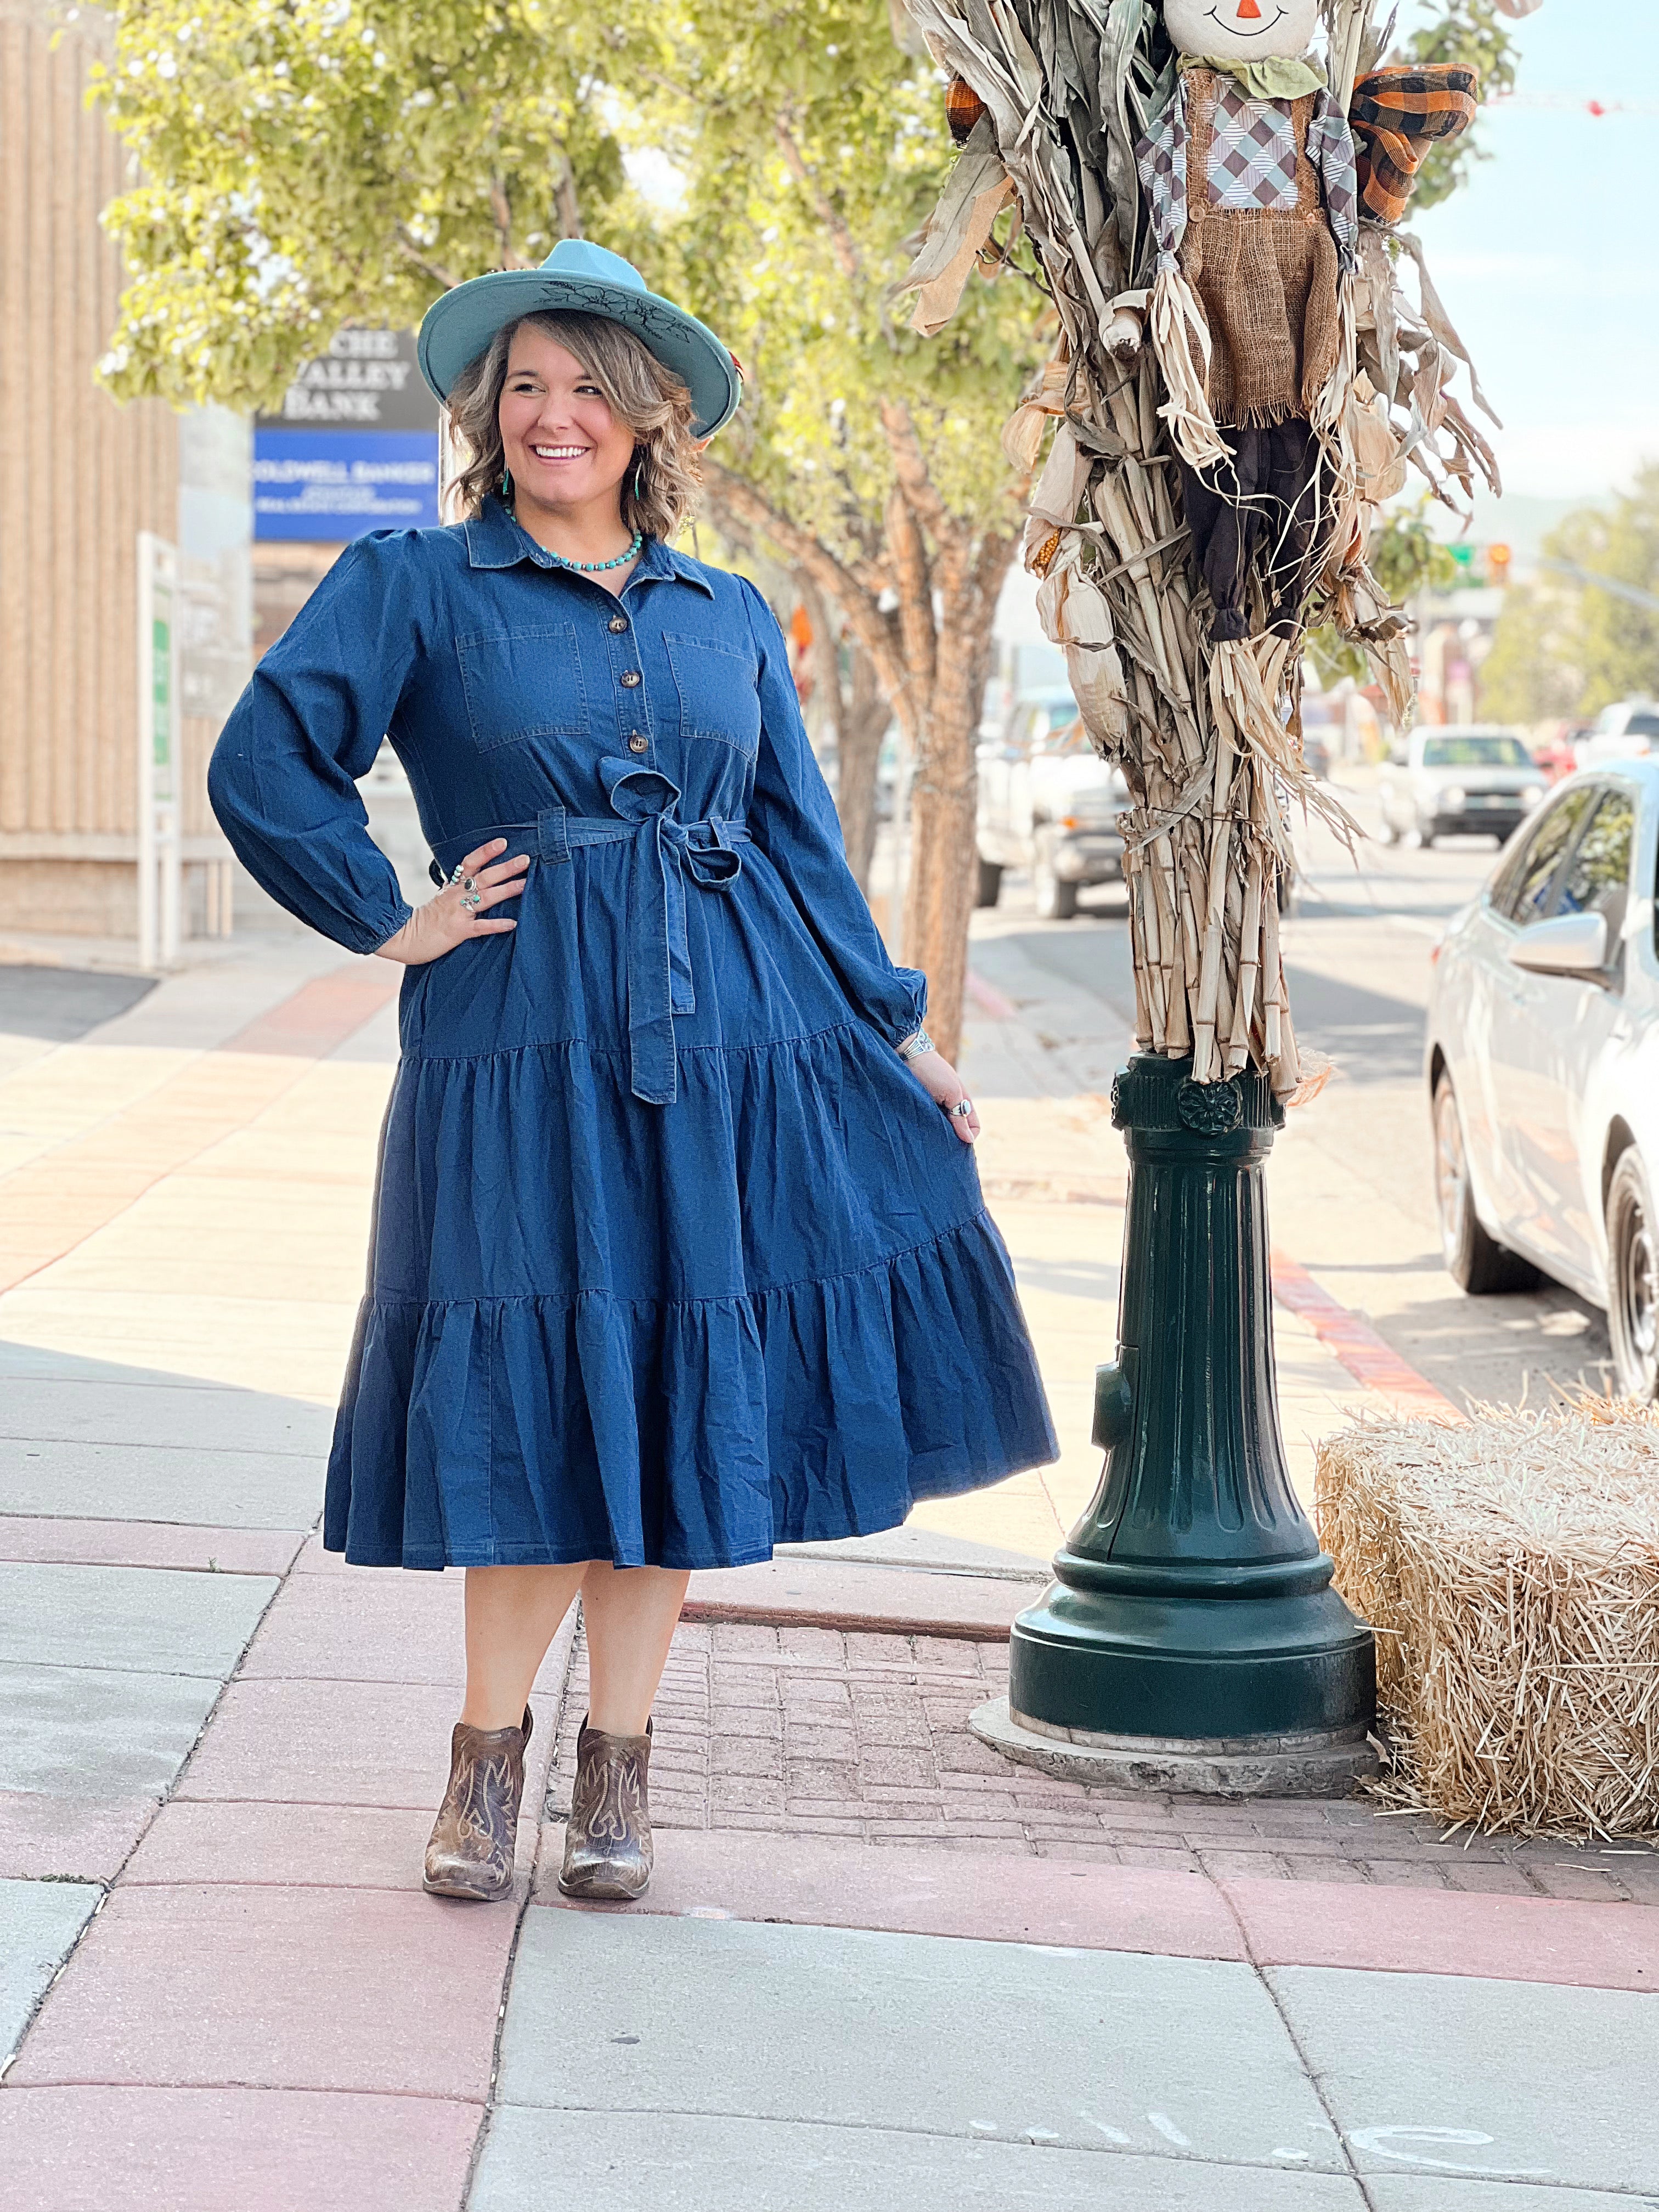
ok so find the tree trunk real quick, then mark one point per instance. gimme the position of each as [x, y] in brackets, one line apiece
[930, 655]
[865, 714]
[939, 894]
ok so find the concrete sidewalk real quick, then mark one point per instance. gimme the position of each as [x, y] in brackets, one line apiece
[878, 1963]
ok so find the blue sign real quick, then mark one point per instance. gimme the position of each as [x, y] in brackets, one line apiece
[329, 486]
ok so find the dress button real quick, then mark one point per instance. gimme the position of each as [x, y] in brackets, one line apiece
[617, 623]
[630, 677]
[636, 743]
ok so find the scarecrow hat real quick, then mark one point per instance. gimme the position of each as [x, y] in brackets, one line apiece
[579, 274]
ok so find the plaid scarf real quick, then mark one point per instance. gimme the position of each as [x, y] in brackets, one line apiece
[1396, 116]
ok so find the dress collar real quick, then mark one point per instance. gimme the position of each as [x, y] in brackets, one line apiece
[495, 539]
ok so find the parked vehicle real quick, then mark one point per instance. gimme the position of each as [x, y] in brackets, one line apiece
[1628, 730]
[1477, 782]
[1558, 756]
[1543, 1064]
[1047, 802]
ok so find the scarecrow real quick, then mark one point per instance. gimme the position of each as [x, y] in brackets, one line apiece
[1241, 378]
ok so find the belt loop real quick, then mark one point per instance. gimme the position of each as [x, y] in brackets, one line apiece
[553, 843]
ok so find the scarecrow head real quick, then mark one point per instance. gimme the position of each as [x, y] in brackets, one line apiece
[1242, 30]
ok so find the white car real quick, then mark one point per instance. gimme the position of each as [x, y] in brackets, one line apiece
[1542, 1061]
[1620, 733]
[1460, 782]
[1047, 802]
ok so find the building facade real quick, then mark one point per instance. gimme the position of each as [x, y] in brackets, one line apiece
[80, 477]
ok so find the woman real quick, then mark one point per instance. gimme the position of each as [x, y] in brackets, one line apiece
[676, 1254]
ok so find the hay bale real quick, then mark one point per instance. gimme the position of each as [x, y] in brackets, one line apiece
[1511, 1566]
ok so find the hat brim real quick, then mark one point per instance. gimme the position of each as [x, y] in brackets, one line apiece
[458, 327]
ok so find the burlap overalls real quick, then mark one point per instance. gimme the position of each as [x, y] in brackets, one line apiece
[1266, 278]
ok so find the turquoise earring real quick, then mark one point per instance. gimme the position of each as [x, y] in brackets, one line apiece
[506, 486]
[639, 477]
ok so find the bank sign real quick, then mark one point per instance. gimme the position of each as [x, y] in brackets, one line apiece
[354, 447]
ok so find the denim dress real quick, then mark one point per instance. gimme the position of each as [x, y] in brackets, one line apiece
[674, 1259]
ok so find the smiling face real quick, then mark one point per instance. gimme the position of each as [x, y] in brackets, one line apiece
[565, 447]
[1242, 30]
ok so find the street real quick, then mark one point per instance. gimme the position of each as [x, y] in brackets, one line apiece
[1352, 1175]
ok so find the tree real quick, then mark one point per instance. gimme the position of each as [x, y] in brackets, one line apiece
[310, 163]
[813, 146]
[1533, 672]
[1470, 33]
[1405, 557]
[1616, 631]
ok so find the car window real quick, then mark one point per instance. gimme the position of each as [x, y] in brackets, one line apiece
[1641, 726]
[1521, 888]
[1476, 752]
[1597, 877]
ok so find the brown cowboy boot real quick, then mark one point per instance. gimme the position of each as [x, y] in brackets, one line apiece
[607, 1841]
[470, 1852]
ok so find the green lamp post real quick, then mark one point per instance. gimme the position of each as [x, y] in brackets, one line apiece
[1191, 1639]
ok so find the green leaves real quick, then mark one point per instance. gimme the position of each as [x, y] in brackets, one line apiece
[1470, 32]
[815, 152]
[310, 163]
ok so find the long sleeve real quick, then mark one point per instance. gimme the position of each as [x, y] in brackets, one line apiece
[794, 820]
[1161, 158]
[283, 779]
[1331, 150]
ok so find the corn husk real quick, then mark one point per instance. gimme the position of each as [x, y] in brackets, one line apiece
[1206, 733]
[1511, 1566]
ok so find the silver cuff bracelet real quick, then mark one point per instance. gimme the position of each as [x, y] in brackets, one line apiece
[913, 1047]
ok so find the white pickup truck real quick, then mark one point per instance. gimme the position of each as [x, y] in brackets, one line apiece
[1047, 802]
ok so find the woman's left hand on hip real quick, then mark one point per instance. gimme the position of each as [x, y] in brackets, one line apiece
[944, 1087]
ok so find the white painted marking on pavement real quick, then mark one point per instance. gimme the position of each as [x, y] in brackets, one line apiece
[1112, 2135]
[1167, 2128]
[1381, 2141]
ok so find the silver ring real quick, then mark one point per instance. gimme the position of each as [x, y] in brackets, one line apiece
[962, 1108]
[471, 900]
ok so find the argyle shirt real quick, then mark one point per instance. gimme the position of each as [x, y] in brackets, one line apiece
[1252, 164]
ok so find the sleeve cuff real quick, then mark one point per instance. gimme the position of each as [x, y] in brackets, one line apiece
[370, 937]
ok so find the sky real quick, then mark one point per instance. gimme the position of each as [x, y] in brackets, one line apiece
[1547, 262]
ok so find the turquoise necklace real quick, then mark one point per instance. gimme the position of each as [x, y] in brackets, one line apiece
[591, 568]
[587, 567]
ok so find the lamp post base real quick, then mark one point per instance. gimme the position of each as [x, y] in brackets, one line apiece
[1322, 1762]
[1191, 1639]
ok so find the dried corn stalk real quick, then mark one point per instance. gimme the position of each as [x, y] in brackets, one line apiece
[1208, 736]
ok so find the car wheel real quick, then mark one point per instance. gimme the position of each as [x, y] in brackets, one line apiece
[1476, 1262]
[1056, 898]
[989, 889]
[1425, 839]
[1632, 1280]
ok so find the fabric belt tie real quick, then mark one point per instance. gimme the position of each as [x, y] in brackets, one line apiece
[665, 852]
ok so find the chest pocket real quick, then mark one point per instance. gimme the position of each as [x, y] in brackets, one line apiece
[523, 683]
[717, 694]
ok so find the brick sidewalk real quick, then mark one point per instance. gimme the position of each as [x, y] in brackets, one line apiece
[814, 1732]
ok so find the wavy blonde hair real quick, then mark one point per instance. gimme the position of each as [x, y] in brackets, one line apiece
[654, 403]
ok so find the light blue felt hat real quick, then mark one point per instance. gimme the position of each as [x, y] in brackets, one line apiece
[579, 274]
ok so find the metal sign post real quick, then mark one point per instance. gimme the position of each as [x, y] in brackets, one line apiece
[160, 872]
